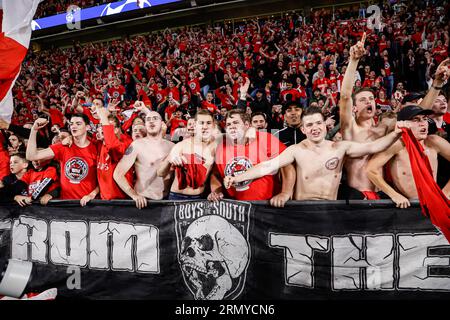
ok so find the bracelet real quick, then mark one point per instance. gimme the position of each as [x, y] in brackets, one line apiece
[437, 88]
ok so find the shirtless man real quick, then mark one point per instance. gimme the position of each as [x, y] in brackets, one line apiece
[319, 161]
[398, 157]
[146, 154]
[359, 127]
[192, 160]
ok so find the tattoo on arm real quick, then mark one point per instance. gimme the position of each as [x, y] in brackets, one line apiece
[129, 150]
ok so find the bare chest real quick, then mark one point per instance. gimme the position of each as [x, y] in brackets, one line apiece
[360, 134]
[401, 165]
[152, 155]
[314, 164]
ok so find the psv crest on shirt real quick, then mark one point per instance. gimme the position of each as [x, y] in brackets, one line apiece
[213, 247]
[76, 169]
[237, 166]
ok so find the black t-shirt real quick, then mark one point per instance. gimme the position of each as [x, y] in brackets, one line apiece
[12, 187]
[290, 136]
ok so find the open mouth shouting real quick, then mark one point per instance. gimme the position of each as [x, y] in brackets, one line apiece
[316, 133]
[423, 131]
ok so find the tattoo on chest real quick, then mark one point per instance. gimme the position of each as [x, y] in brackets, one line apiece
[129, 150]
[332, 163]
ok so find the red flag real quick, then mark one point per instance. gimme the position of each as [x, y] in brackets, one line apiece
[433, 201]
[14, 41]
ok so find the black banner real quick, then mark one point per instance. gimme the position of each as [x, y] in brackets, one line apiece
[229, 250]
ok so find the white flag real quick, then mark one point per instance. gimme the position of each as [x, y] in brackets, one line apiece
[14, 41]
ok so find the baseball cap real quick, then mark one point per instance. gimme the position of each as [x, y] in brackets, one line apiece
[409, 112]
[412, 97]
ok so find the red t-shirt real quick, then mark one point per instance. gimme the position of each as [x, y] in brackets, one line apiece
[175, 93]
[194, 84]
[296, 95]
[116, 93]
[211, 107]
[322, 84]
[4, 158]
[40, 180]
[236, 159]
[94, 121]
[110, 154]
[176, 123]
[170, 109]
[78, 169]
[224, 99]
[387, 68]
[57, 117]
[447, 117]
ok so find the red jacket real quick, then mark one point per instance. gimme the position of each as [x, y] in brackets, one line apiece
[111, 152]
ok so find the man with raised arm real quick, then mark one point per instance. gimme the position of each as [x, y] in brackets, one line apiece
[319, 162]
[357, 112]
[440, 78]
[113, 146]
[146, 154]
[397, 156]
[191, 160]
[77, 162]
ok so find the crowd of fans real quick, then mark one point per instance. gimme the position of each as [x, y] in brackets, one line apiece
[273, 69]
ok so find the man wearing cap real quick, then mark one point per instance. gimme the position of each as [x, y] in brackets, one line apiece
[397, 156]
[291, 134]
[412, 98]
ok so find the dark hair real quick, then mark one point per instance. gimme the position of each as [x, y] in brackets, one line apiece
[20, 155]
[81, 115]
[259, 114]
[101, 100]
[289, 104]
[312, 110]
[244, 116]
[445, 93]
[289, 97]
[360, 90]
